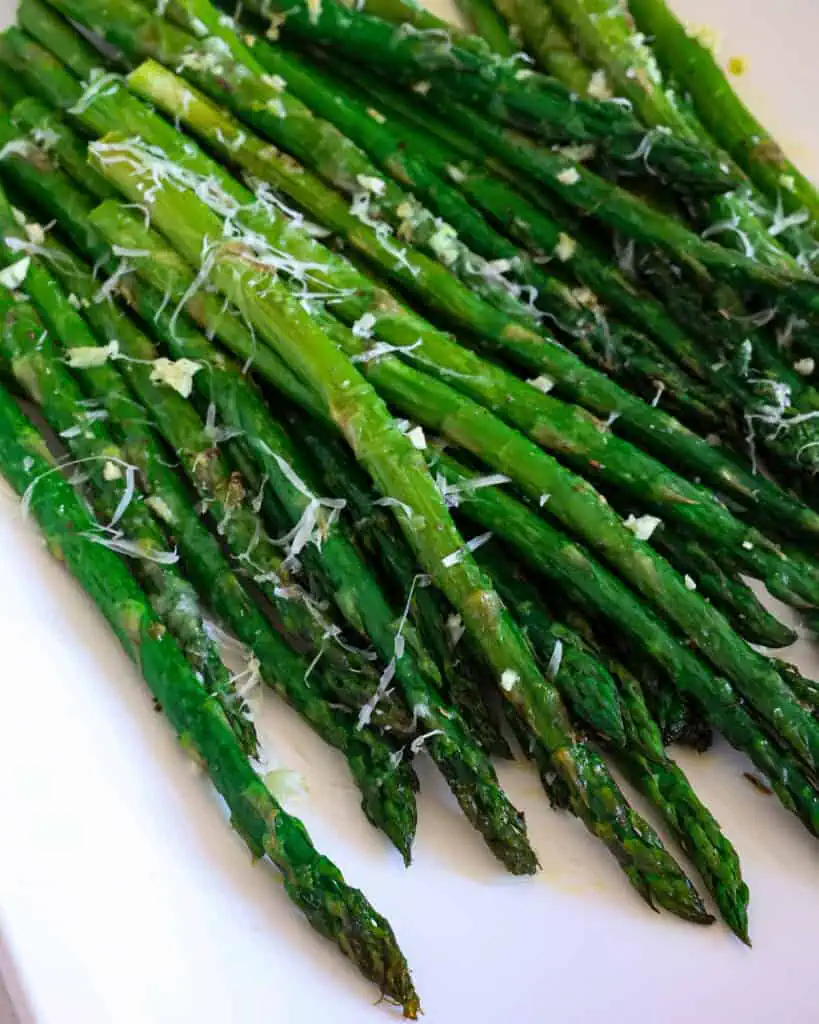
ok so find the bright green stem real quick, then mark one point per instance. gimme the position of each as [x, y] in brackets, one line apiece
[33, 359]
[587, 688]
[388, 795]
[693, 67]
[597, 591]
[311, 881]
[47, 131]
[547, 41]
[607, 38]
[379, 537]
[659, 778]
[399, 471]
[186, 221]
[485, 21]
[532, 101]
[354, 588]
[561, 428]
[734, 598]
[641, 752]
[648, 426]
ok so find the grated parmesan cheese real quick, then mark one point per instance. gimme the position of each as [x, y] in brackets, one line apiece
[569, 176]
[598, 87]
[542, 383]
[416, 438]
[372, 184]
[12, 276]
[565, 248]
[175, 373]
[89, 356]
[509, 679]
[642, 526]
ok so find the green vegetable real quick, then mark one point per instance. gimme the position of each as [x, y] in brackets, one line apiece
[311, 881]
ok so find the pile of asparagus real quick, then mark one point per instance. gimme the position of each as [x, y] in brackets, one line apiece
[439, 369]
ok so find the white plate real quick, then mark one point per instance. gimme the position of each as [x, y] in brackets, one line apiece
[125, 898]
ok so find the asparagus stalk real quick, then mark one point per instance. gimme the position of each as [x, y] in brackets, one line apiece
[807, 690]
[11, 89]
[727, 591]
[587, 688]
[30, 353]
[662, 433]
[607, 38]
[692, 65]
[680, 720]
[287, 122]
[467, 771]
[646, 423]
[504, 203]
[50, 133]
[369, 130]
[377, 534]
[645, 763]
[485, 21]
[387, 796]
[594, 589]
[399, 472]
[599, 342]
[200, 552]
[548, 43]
[563, 429]
[642, 754]
[354, 589]
[534, 101]
[572, 500]
[311, 881]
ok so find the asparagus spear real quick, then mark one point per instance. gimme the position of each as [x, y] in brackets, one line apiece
[596, 390]
[536, 102]
[571, 499]
[437, 406]
[11, 89]
[485, 21]
[680, 720]
[377, 534]
[277, 112]
[48, 131]
[807, 690]
[27, 347]
[645, 763]
[311, 881]
[467, 771]
[201, 553]
[387, 796]
[594, 589]
[548, 43]
[553, 425]
[692, 65]
[727, 591]
[400, 473]
[587, 688]
[355, 590]
[593, 389]
[607, 38]
[642, 754]
[600, 341]
[542, 233]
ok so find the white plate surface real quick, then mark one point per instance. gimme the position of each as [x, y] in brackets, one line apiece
[125, 898]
